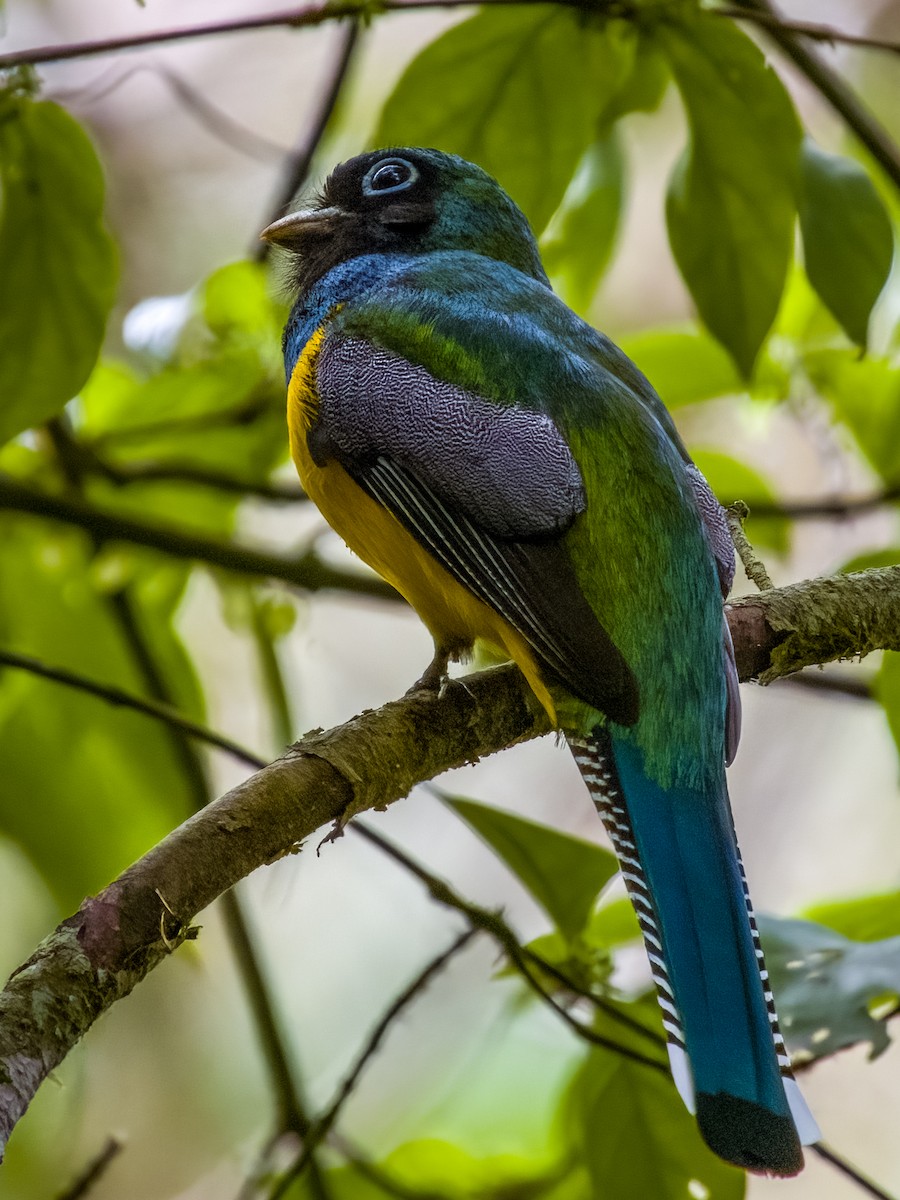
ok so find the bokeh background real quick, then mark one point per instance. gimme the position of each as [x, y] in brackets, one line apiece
[176, 1069]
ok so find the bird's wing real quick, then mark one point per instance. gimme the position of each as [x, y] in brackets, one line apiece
[718, 535]
[487, 489]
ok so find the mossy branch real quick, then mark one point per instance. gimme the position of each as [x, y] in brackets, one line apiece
[98, 955]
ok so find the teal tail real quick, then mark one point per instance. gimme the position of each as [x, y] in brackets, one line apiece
[682, 867]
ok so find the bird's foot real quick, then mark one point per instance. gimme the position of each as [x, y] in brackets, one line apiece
[434, 677]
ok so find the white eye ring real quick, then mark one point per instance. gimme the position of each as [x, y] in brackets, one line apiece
[404, 168]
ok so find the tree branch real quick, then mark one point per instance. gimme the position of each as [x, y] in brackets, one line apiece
[98, 955]
[778, 632]
[307, 571]
[317, 14]
[321, 1127]
[860, 120]
[297, 164]
[809, 29]
[184, 472]
[830, 508]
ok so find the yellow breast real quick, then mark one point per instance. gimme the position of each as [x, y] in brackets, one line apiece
[454, 617]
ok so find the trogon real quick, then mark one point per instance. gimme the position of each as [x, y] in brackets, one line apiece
[514, 475]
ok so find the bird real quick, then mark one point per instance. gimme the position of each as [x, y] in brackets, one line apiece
[509, 470]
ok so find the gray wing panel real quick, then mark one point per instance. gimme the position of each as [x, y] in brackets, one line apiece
[716, 525]
[508, 468]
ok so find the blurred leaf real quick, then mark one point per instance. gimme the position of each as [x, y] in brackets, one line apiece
[217, 406]
[864, 919]
[848, 243]
[875, 558]
[518, 90]
[865, 395]
[645, 85]
[56, 260]
[685, 367]
[178, 417]
[614, 924]
[439, 1167]
[430, 1167]
[824, 985]
[579, 241]
[240, 311]
[887, 690]
[803, 321]
[733, 480]
[637, 1138]
[731, 206]
[89, 786]
[563, 873]
[587, 966]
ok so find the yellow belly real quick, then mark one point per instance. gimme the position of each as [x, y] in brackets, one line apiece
[454, 617]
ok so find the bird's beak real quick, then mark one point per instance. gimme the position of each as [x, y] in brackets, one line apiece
[297, 227]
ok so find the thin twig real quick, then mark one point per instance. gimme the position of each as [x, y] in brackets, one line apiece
[321, 1127]
[861, 121]
[297, 164]
[828, 508]
[317, 14]
[303, 17]
[494, 925]
[264, 400]
[809, 29]
[123, 474]
[94, 1170]
[756, 572]
[214, 119]
[824, 1151]
[123, 699]
[307, 571]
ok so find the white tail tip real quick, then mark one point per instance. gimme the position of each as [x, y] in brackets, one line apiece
[681, 1073]
[807, 1129]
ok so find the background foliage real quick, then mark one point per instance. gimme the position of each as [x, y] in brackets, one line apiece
[175, 562]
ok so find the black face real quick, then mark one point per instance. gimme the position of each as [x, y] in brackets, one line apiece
[382, 202]
[391, 189]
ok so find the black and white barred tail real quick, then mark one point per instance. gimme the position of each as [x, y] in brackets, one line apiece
[728, 1057]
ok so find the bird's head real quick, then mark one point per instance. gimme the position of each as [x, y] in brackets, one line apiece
[407, 201]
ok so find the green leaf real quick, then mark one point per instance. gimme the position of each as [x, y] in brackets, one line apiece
[614, 924]
[731, 201]
[518, 90]
[645, 85]
[237, 306]
[864, 919]
[638, 1139]
[685, 366]
[826, 986]
[90, 786]
[848, 243]
[887, 690]
[579, 241]
[733, 480]
[563, 873]
[57, 262]
[865, 395]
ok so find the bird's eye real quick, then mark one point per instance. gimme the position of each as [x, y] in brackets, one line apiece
[389, 175]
